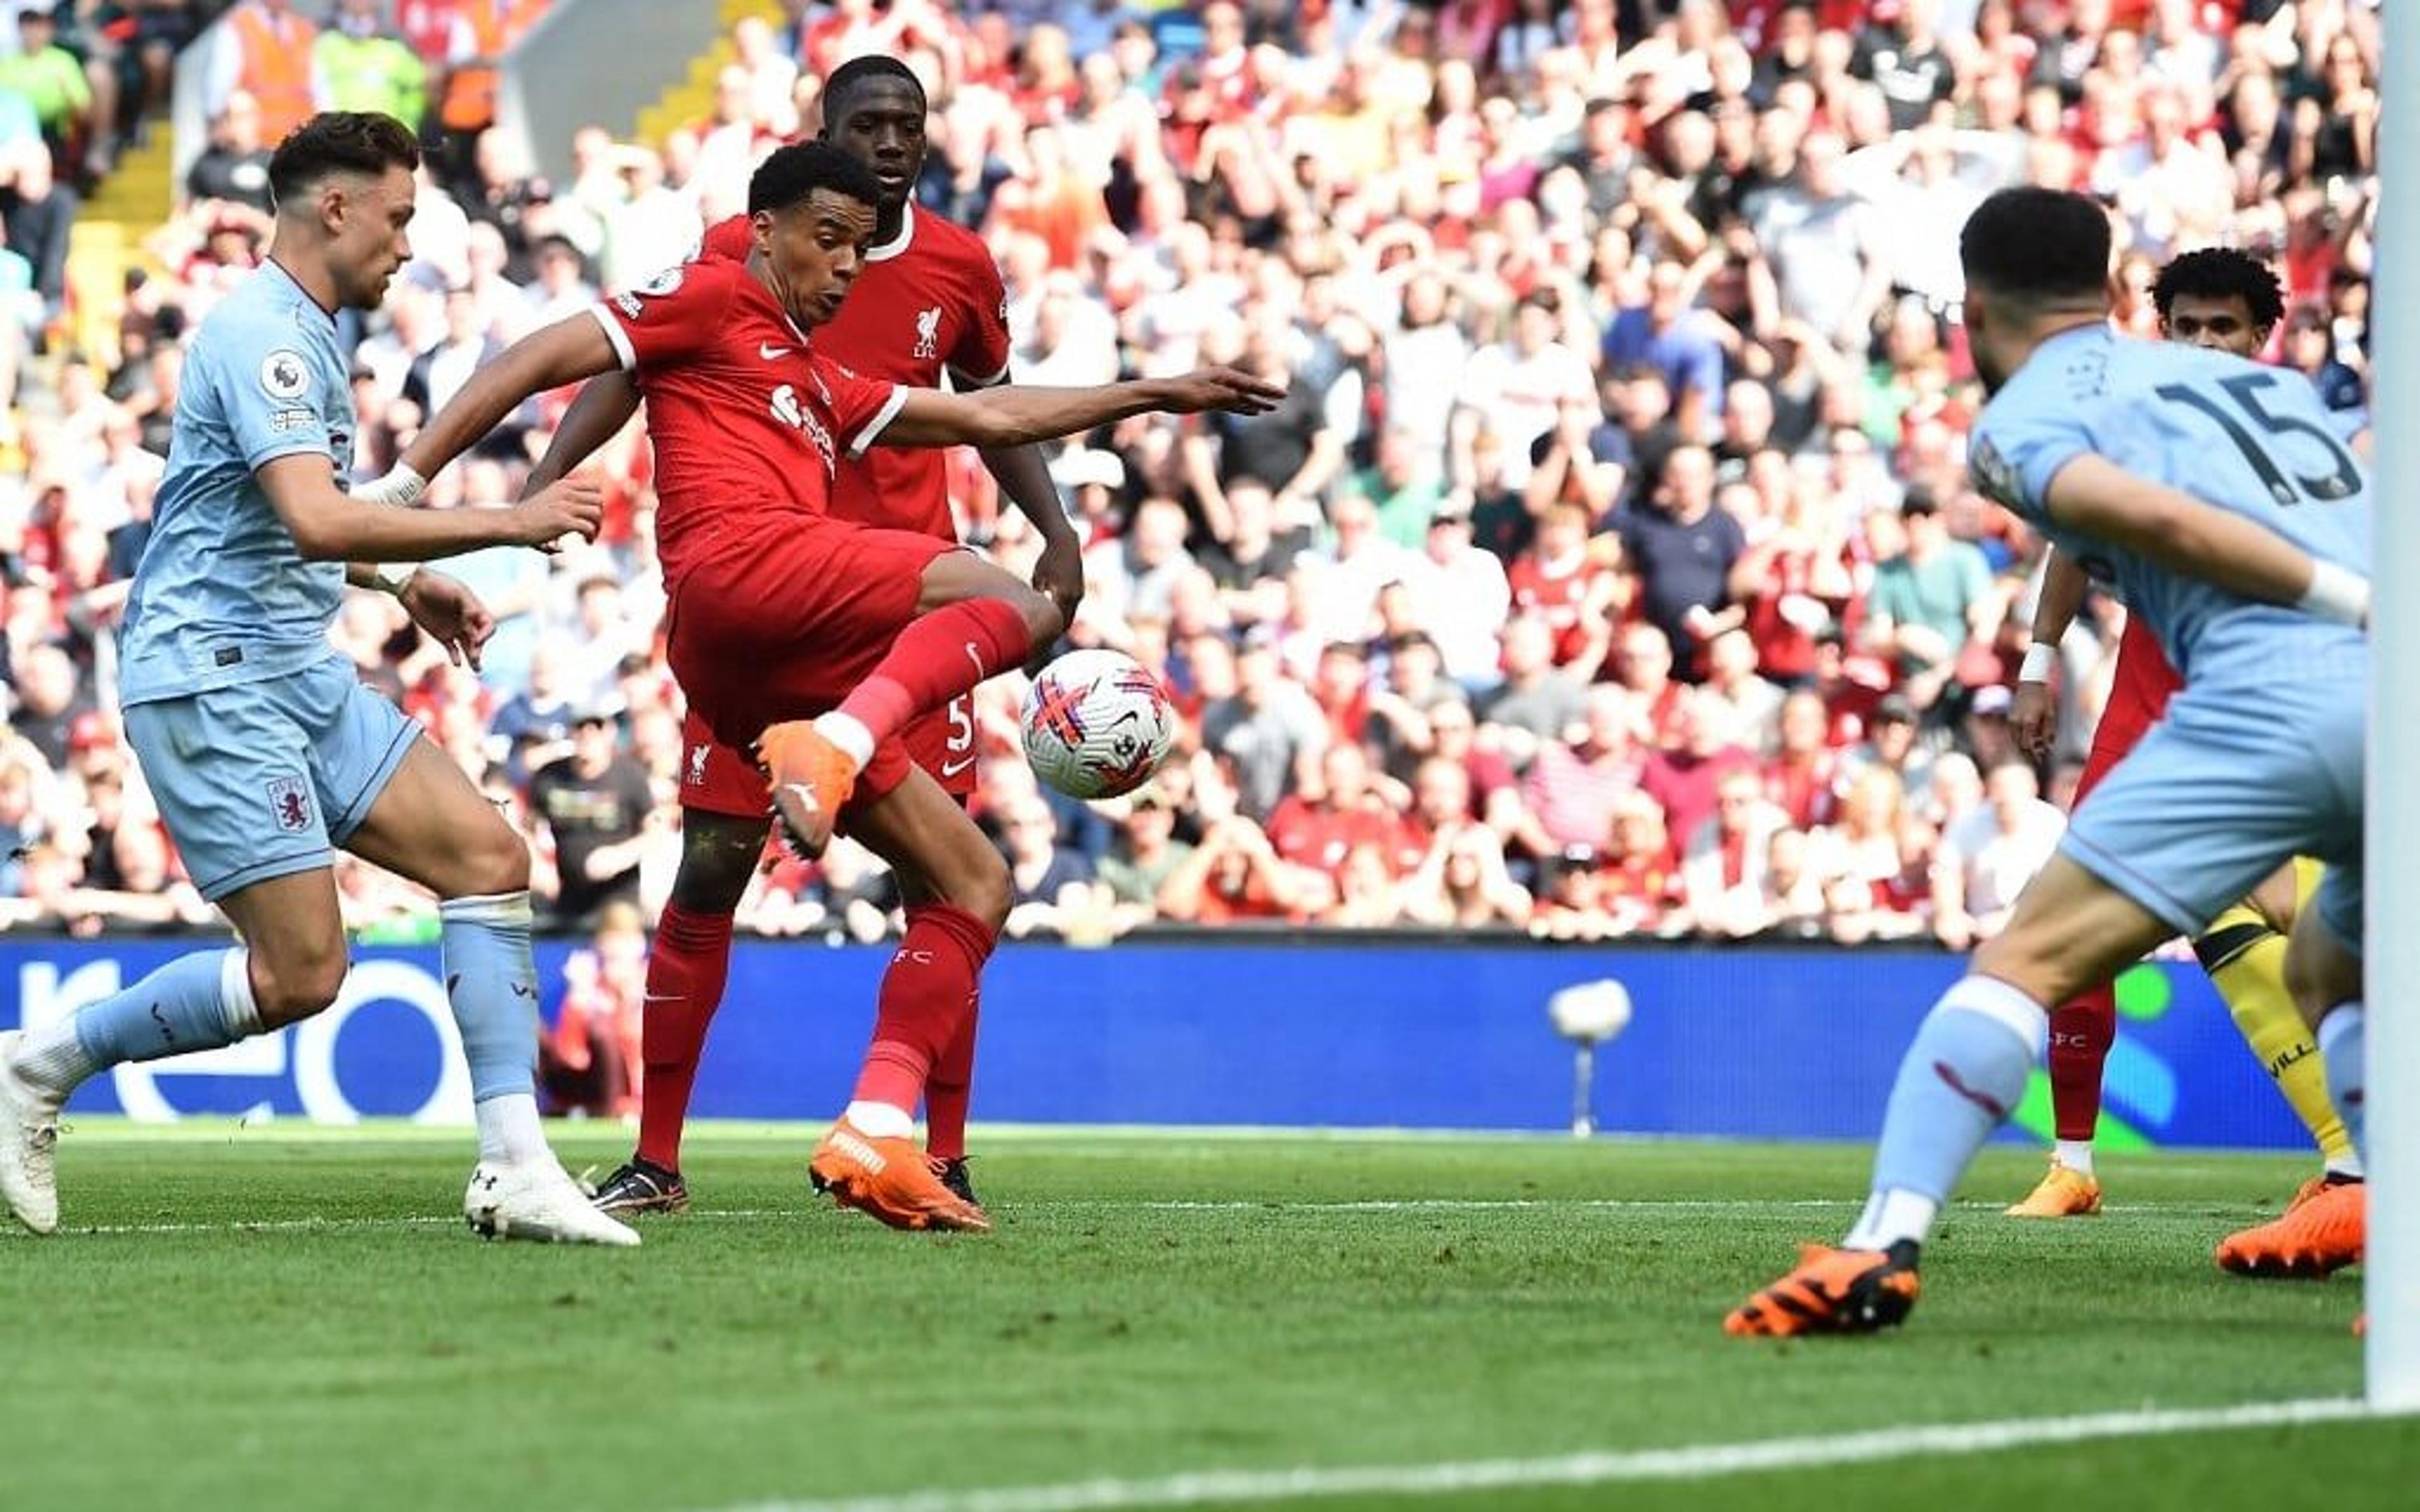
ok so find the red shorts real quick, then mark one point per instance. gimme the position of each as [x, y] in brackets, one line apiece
[783, 629]
[718, 779]
[2138, 696]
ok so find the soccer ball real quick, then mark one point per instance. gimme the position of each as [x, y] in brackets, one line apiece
[1097, 724]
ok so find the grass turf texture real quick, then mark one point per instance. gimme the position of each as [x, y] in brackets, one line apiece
[354, 1347]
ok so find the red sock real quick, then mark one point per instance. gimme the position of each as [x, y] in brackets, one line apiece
[2081, 1033]
[946, 1092]
[685, 976]
[926, 994]
[937, 657]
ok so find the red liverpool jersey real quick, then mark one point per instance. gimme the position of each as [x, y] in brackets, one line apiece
[927, 302]
[749, 427]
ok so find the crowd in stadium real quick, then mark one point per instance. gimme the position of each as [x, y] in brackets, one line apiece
[1609, 570]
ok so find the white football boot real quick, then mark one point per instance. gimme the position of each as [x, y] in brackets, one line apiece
[29, 1127]
[536, 1201]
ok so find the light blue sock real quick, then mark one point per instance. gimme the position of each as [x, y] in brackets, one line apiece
[1960, 1081]
[195, 1002]
[2341, 1048]
[492, 983]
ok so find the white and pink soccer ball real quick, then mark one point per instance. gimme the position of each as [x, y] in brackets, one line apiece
[1097, 724]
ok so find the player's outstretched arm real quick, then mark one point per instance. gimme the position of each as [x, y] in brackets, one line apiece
[999, 418]
[330, 525]
[603, 406]
[2033, 714]
[2161, 524]
[573, 348]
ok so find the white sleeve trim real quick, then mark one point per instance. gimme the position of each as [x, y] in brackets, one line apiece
[623, 352]
[883, 417]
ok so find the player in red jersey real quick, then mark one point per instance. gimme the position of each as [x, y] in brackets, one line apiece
[813, 640]
[929, 302]
[2228, 301]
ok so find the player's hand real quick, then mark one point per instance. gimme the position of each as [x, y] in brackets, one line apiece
[2033, 718]
[1223, 389]
[1059, 573]
[565, 508]
[450, 613]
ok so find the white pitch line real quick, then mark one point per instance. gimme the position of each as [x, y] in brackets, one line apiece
[1775, 1206]
[1598, 1468]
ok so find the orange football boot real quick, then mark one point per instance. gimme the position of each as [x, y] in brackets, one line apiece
[1832, 1291]
[890, 1178]
[812, 780]
[2061, 1193]
[2322, 1232]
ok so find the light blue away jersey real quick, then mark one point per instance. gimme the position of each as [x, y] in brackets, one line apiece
[2250, 439]
[222, 596]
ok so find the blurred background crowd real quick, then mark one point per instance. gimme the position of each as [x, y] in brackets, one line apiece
[1610, 569]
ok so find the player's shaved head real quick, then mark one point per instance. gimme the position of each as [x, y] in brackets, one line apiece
[847, 81]
[2043, 247]
[792, 173]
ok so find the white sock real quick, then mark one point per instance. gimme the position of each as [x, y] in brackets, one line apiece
[2349, 1168]
[509, 1131]
[844, 730]
[2075, 1154]
[51, 1059]
[880, 1120]
[236, 1000]
[1891, 1216]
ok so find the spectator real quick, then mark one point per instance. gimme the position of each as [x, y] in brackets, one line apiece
[1682, 778]
[51, 82]
[1803, 775]
[1460, 595]
[268, 53]
[366, 67]
[1319, 829]
[590, 1061]
[1536, 698]
[1726, 872]
[234, 167]
[1234, 874]
[1677, 341]
[1143, 856]
[1053, 884]
[1462, 884]
[1684, 550]
[1514, 390]
[1564, 582]
[595, 806]
[483, 32]
[1264, 729]
[1830, 254]
[1987, 857]
[1931, 600]
[1569, 792]
[38, 212]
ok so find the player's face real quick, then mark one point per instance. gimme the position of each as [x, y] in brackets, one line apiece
[2221, 324]
[815, 250]
[367, 221]
[884, 130]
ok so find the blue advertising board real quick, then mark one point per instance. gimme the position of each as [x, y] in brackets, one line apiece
[1782, 1043]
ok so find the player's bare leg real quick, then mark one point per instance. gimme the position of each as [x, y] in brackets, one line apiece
[430, 826]
[290, 966]
[686, 970]
[870, 1160]
[974, 619]
[1959, 1081]
[2325, 1230]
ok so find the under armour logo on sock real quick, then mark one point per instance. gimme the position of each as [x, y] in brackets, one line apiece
[1950, 1078]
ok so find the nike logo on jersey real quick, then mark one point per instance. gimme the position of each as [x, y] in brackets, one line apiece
[768, 351]
[949, 769]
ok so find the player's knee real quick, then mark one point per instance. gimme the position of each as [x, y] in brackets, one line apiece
[719, 857]
[982, 887]
[495, 861]
[2319, 974]
[292, 984]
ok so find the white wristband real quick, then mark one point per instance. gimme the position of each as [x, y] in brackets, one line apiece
[2040, 660]
[401, 485]
[2335, 593]
[392, 576]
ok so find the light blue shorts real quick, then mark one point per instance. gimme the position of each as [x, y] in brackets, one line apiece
[2230, 785]
[262, 780]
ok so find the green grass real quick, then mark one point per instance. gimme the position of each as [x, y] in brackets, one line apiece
[355, 1349]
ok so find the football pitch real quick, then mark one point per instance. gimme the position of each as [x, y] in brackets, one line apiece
[291, 1317]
